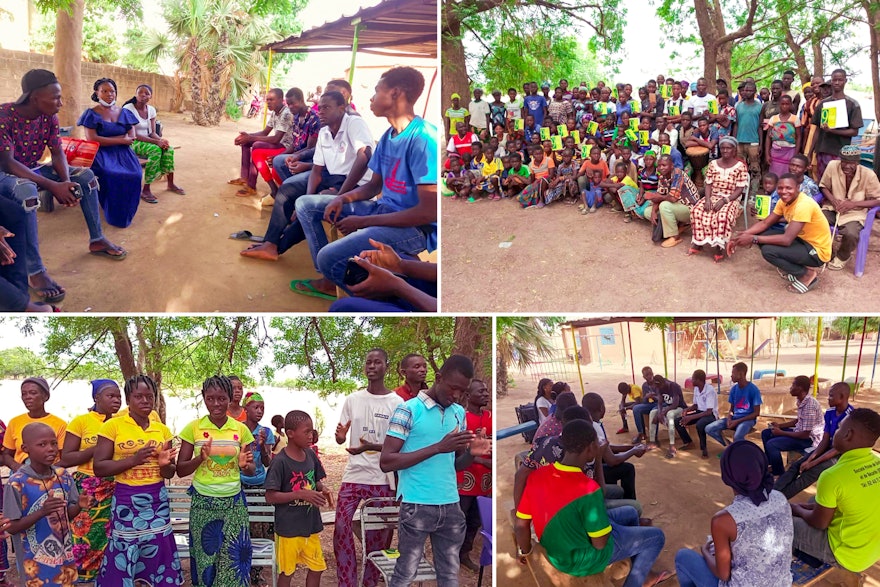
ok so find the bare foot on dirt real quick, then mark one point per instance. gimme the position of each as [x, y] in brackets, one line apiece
[265, 251]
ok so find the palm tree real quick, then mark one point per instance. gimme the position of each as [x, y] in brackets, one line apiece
[216, 44]
[519, 341]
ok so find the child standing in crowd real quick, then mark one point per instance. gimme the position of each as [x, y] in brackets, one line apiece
[40, 500]
[294, 486]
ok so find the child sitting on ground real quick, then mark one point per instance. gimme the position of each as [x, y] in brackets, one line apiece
[458, 180]
[592, 173]
[294, 486]
[490, 177]
[564, 186]
[40, 500]
[516, 178]
[620, 187]
[635, 394]
[542, 170]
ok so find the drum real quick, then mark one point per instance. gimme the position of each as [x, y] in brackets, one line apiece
[698, 156]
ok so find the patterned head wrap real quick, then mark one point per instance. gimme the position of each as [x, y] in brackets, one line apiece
[252, 396]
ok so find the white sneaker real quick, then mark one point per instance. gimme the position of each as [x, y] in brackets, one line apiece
[836, 264]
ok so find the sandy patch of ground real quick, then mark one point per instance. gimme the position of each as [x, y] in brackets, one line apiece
[180, 258]
[559, 261]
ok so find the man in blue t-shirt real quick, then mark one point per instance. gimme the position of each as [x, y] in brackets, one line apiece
[535, 104]
[745, 406]
[747, 131]
[404, 167]
[426, 443]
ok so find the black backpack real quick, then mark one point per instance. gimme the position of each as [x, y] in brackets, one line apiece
[527, 413]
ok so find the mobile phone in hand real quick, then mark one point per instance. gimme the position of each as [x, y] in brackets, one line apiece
[354, 273]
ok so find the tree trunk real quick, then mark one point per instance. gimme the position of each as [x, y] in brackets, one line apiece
[818, 58]
[68, 61]
[872, 10]
[455, 77]
[469, 338]
[723, 57]
[500, 376]
[124, 349]
[195, 84]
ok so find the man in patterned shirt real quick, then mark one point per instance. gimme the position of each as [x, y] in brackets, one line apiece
[256, 147]
[303, 137]
[27, 127]
[798, 434]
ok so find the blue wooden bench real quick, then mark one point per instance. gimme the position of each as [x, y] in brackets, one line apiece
[767, 372]
[514, 430]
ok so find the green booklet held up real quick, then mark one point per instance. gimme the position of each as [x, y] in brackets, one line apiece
[713, 106]
[665, 91]
[829, 116]
[634, 124]
[632, 136]
[585, 151]
[556, 142]
[665, 149]
[644, 138]
[762, 205]
[635, 107]
[592, 127]
[562, 130]
[545, 133]
[602, 108]
[519, 124]
[674, 110]
[576, 134]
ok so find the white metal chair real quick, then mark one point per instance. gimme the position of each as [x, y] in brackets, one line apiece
[381, 513]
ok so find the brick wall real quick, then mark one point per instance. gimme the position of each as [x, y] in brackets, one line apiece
[14, 64]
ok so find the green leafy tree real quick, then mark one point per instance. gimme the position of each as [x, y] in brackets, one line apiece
[519, 341]
[19, 362]
[100, 35]
[516, 19]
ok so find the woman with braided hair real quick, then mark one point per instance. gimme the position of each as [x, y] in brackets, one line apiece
[137, 452]
[215, 449]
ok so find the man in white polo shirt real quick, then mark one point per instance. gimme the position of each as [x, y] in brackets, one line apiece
[342, 153]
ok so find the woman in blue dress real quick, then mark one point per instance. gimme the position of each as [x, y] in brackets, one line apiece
[116, 166]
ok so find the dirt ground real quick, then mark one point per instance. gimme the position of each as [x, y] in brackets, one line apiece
[334, 465]
[180, 258]
[682, 509]
[566, 262]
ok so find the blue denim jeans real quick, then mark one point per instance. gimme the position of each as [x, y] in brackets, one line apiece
[642, 544]
[445, 524]
[639, 412]
[20, 189]
[692, 570]
[330, 259]
[281, 231]
[716, 430]
[280, 165]
[14, 295]
[774, 446]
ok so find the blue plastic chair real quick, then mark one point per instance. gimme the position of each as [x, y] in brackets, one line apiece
[484, 504]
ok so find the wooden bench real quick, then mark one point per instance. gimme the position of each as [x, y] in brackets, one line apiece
[258, 511]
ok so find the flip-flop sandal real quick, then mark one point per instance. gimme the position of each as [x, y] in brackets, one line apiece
[151, 199]
[310, 290]
[718, 258]
[245, 192]
[108, 254]
[177, 190]
[43, 294]
[797, 286]
[237, 181]
[54, 309]
[245, 235]
[694, 251]
[664, 576]
[785, 276]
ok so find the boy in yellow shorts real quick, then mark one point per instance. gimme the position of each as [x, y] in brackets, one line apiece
[293, 485]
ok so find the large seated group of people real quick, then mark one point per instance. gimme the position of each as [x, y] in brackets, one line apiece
[566, 491]
[679, 157]
[110, 523]
[321, 164]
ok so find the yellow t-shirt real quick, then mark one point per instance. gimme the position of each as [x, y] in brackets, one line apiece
[154, 415]
[86, 428]
[128, 438]
[815, 230]
[12, 439]
[852, 488]
[635, 392]
[219, 475]
[493, 168]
